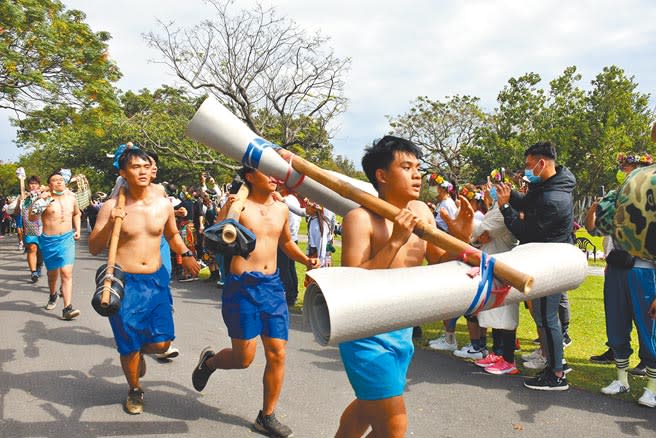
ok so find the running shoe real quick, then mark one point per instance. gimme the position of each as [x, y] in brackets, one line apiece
[134, 404]
[489, 360]
[615, 387]
[441, 343]
[639, 370]
[168, 354]
[606, 357]
[269, 424]
[547, 381]
[502, 367]
[52, 301]
[69, 313]
[471, 352]
[648, 399]
[202, 373]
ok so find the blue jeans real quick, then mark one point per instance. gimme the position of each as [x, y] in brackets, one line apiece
[628, 293]
[545, 314]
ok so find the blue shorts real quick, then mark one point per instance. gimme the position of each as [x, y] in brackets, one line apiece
[27, 240]
[254, 304]
[165, 253]
[146, 312]
[377, 366]
[19, 221]
[57, 250]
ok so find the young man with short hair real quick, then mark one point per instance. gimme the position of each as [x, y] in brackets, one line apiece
[60, 216]
[377, 366]
[253, 299]
[144, 322]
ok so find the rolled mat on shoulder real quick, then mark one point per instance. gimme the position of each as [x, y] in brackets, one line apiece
[344, 304]
[215, 126]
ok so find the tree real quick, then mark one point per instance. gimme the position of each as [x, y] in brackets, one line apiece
[9, 183]
[264, 68]
[443, 130]
[50, 56]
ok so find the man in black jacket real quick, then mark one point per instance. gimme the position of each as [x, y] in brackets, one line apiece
[543, 214]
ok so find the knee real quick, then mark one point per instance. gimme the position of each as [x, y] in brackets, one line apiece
[243, 362]
[276, 356]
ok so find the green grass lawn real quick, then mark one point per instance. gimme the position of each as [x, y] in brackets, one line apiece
[587, 330]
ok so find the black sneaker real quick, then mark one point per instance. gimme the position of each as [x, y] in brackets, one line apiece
[202, 373]
[134, 404]
[605, 358]
[34, 277]
[547, 381]
[69, 313]
[52, 301]
[567, 341]
[639, 370]
[536, 341]
[566, 368]
[269, 424]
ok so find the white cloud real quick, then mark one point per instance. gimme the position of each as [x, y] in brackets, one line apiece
[401, 50]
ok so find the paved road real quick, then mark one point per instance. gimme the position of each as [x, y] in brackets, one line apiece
[63, 379]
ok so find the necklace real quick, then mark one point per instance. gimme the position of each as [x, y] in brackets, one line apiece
[264, 208]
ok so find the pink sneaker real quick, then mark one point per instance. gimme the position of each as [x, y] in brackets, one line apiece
[502, 367]
[488, 360]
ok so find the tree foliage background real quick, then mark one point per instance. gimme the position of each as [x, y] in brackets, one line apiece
[287, 86]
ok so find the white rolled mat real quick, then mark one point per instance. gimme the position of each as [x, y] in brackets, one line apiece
[215, 126]
[343, 304]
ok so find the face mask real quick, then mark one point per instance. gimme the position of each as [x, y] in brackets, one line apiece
[58, 193]
[620, 177]
[530, 177]
[493, 193]
[432, 191]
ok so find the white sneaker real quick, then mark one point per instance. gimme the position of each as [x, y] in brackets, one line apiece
[442, 344]
[536, 364]
[168, 354]
[535, 354]
[469, 352]
[648, 399]
[615, 387]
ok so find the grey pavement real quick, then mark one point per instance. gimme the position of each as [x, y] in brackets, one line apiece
[63, 379]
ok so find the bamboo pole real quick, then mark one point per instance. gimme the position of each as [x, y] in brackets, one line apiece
[113, 246]
[508, 274]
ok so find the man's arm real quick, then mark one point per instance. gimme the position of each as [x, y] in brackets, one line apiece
[77, 216]
[99, 237]
[357, 234]
[291, 249]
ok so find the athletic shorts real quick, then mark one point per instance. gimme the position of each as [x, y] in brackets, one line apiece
[146, 312]
[57, 250]
[377, 366]
[27, 240]
[19, 221]
[254, 304]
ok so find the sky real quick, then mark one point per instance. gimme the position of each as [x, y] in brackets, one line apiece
[401, 50]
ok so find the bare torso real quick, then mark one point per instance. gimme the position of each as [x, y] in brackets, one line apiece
[266, 222]
[413, 252]
[141, 233]
[58, 217]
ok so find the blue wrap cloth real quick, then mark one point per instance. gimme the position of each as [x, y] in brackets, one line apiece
[58, 250]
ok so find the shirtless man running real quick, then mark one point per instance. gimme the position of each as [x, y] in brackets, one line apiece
[377, 366]
[60, 216]
[254, 302]
[144, 323]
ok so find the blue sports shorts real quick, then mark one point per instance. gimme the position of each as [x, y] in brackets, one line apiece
[254, 304]
[377, 366]
[27, 239]
[146, 312]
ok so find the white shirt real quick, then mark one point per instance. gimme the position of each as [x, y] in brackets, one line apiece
[294, 219]
[450, 208]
